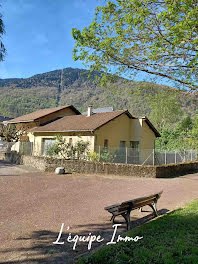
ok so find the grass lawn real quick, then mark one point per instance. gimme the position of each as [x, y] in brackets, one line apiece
[170, 239]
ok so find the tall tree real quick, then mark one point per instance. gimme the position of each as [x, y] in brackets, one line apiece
[194, 134]
[2, 31]
[11, 133]
[165, 110]
[158, 37]
[185, 126]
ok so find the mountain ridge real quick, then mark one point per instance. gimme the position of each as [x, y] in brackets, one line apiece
[19, 96]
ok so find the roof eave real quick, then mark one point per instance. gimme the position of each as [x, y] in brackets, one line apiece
[157, 134]
[62, 131]
[16, 122]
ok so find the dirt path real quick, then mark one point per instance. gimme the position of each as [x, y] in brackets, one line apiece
[33, 205]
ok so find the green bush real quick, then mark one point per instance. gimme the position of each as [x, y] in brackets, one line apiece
[66, 150]
[106, 156]
[93, 156]
[52, 150]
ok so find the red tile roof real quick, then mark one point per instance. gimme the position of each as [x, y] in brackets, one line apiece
[41, 113]
[80, 122]
[85, 123]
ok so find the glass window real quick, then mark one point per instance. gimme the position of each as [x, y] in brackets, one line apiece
[70, 141]
[106, 143]
[122, 144]
[134, 145]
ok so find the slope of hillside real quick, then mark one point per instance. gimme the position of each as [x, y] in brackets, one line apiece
[72, 86]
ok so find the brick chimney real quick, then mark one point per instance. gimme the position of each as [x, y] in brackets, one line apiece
[90, 110]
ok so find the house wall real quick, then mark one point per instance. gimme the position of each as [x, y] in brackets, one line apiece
[115, 131]
[125, 129]
[148, 142]
[31, 137]
[40, 137]
[16, 147]
[137, 130]
[120, 129]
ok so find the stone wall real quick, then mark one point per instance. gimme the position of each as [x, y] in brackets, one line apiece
[148, 171]
[36, 162]
[88, 167]
[174, 170]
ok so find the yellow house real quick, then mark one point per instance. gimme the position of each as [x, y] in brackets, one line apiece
[115, 130]
[42, 117]
[36, 119]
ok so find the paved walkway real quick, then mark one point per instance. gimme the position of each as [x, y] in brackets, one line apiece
[34, 204]
[7, 169]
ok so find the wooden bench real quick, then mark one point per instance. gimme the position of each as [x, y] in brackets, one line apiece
[124, 209]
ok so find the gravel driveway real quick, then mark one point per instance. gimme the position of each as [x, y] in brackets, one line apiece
[34, 204]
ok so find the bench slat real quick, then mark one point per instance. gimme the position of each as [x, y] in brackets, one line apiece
[143, 203]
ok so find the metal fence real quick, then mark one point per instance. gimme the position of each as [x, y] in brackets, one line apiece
[145, 156]
[6, 146]
[115, 155]
[168, 157]
[24, 148]
[118, 155]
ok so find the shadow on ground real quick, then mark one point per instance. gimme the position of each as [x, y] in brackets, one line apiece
[4, 163]
[39, 247]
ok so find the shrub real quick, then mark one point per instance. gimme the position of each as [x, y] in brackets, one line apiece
[66, 150]
[93, 156]
[52, 150]
[106, 156]
[81, 148]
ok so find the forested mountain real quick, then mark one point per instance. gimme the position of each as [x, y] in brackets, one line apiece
[72, 86]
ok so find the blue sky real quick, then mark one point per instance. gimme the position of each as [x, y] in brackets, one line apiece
[38, 34]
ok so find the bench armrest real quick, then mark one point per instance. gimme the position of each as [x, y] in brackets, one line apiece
[111, 206]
